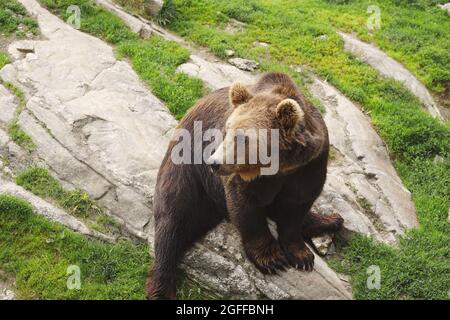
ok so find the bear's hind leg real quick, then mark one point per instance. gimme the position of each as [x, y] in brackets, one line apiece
[315, 225]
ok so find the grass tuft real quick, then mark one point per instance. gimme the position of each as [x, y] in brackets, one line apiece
[4, 59]
[94, 19]
[38, 253]
[15, 21]
[156, 60]
[76, 202]
[15, 132]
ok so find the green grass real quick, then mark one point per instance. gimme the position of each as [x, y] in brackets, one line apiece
[4, 59]
[13, 15]
[415, 33]
[15, 132]
[37, 253]
[419, 144]
[76, 202]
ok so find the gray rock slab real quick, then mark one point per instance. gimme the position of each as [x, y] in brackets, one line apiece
[390, 68]
[213, 74]
[7, 105]
[445, 6]
[244, 64]
[362, 184]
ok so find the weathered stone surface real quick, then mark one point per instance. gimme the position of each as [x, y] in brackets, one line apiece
[229, 53]
[213, 74]
[153, 7]
[445, 6]
[234, 26]
[362, 185]
[6, 287]
[4, 138]
[49, 211]
[244, 64]
[221, 264]
[7, 105]
[93, 121]
[389, 67]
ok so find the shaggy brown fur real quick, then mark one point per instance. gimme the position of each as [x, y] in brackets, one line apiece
[190, 200]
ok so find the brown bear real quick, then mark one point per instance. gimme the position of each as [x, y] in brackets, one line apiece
[192, 198]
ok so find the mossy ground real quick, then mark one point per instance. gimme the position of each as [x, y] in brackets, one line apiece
[15, 21]
[75, 202]
[38, 253]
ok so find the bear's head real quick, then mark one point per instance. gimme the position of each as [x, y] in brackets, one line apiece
[265, 134]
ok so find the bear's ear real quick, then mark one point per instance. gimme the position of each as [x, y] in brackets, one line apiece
[239, 94]
[289, 113]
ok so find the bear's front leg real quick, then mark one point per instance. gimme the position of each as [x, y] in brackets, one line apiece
[289, 218]
[261, 248]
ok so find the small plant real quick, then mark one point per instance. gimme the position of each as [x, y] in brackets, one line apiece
[13, 15]
[20, 137]
[167, 14]
[4, 59]
[15, 132]
[76, 202]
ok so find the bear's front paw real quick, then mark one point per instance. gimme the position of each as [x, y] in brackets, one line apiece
[299, 256]
[266, 255]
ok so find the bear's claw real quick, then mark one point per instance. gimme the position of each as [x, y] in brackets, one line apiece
[268, 258]
[299, 257]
